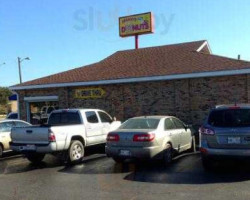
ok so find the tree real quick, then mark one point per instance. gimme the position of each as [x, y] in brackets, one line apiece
[4, 95]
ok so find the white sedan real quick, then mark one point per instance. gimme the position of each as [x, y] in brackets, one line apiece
[5, 129]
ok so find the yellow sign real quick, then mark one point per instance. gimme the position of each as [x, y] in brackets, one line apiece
[136, 24]
[89, 93]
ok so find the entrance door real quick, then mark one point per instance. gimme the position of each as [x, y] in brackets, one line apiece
[39, 111]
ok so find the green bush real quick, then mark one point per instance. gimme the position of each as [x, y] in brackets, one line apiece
[4, 95]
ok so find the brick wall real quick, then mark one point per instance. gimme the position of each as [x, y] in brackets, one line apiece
[188, 99]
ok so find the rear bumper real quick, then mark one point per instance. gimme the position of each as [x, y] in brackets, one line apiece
[39, 148]
[206, 151]
[135, 152]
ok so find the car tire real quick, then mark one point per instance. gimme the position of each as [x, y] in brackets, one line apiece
[168, 155]
[76, 152]
[207, 164]
[35, 158]
[118, 159]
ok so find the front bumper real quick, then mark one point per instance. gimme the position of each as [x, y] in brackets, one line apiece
[135, 152]
[39, 148]
[206, 151]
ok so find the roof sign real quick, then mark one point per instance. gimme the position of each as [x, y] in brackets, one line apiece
[136, 24]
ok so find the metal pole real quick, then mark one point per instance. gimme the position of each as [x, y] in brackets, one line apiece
[136, 41]
[19, 68]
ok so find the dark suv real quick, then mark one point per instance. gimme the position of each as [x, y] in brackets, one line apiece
[226, 133]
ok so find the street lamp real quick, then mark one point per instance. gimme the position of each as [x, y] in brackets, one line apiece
[19, 66]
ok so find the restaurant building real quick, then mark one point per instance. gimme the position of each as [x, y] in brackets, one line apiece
[184, 80]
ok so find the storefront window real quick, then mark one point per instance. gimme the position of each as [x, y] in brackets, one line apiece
[40, 111]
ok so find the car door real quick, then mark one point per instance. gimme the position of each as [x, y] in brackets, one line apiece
[93, 128]
[172, 132]
[185, 134]
[5, 129]
[106, 121]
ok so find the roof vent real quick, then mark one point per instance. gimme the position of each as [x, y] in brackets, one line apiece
[239, 57]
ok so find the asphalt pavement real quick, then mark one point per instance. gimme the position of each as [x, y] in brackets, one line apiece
[99, 177]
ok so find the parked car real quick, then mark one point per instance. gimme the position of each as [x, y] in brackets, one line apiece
[149, 137]
[42, 116]
[225, 133]
[68, 132]
[5, 129]
[12, 115]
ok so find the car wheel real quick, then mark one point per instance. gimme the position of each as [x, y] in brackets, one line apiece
[207, 163]
[118, 160]
[168, 155]
[76, 151]
[35, 158]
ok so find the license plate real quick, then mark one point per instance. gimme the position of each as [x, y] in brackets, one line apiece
[29, 147]
[125, 153]
[233, 140]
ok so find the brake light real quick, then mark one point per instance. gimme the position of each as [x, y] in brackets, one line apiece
[113, 137]
[206, 131]
[52, 137]
[203, 150]
[148, 137]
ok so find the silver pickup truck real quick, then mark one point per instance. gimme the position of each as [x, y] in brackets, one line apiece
[67, 133]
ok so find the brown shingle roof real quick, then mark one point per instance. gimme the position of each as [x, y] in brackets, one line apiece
[146, 62]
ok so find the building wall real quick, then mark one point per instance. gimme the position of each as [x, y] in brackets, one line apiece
[188, 99]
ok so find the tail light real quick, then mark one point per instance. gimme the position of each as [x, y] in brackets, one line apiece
[148, 137]
[206, 131]
[52, 137]
[113, 137]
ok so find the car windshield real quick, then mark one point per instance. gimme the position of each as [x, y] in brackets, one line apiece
[145, 123]
[230, 118]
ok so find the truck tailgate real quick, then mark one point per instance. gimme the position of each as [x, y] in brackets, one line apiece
[30, 135]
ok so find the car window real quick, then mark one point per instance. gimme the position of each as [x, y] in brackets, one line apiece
[169, 125]
[64, 118]
[50, 109]
[6, 126]
[92, 117]
[144, 123]
[179, 124]
[20, 124]
[44, 109]
[230, 118]
[104, 117]
[13, 116]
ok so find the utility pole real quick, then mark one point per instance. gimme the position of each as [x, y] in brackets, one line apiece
[19, 69]
[19, 60]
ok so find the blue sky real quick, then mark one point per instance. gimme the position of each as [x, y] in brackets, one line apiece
[60, 35]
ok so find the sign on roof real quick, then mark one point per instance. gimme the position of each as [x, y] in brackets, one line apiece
[89, 93]
[136, 24]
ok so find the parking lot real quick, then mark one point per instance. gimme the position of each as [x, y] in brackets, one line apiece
[98, 177]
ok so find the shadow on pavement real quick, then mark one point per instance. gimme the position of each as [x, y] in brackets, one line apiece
[19, 164]
[188, 170]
